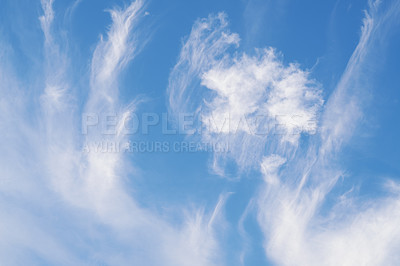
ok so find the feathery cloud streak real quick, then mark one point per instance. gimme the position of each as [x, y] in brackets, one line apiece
[66, 190]
[297, 179]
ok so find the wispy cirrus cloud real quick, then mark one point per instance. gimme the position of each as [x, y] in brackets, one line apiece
[299, 226]
[76, 208]
[290, 214]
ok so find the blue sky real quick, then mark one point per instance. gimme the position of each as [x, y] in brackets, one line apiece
[112, 112]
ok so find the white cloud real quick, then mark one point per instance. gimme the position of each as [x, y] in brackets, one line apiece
[68, 207]
[260, 86]
[350, 232]
[298, 181]
[245, 100]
